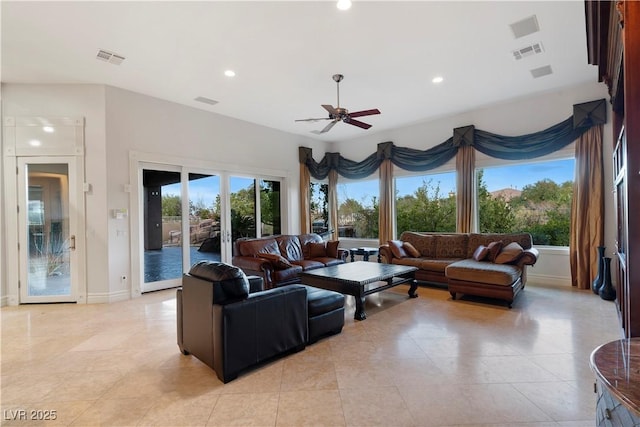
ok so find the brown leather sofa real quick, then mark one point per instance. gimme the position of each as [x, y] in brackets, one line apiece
[448, 258]
[228, 321]
[279, 259]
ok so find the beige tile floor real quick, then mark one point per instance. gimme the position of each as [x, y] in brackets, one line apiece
[428, 361]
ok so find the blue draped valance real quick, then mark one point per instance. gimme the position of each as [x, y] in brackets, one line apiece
[520, 147]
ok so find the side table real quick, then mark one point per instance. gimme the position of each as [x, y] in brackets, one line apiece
[365, 252]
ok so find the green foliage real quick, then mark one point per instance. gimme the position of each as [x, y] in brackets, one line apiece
[496, 214]
[542, 209]
[199, 210]
[270, 206]
[171, 205]
[426, 210]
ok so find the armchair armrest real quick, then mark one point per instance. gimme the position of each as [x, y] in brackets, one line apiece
[342, 254]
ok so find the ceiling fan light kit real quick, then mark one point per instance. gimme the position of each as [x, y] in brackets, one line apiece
[339, 114]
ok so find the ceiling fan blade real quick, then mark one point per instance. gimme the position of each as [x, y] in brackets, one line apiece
[358, 123]
[313, 120]
[364, 113]
[330, 109]
[327, 128]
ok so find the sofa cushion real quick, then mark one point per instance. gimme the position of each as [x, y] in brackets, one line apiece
[452, 245]
[494, 250]
[317, 250]
[308, 264]
[481, 253]
[424, 243]
[510, 253]
[306, 238]
[469, 270]
[476, 239]
[252, 247]
[327, 261]
[396, 249]
[332, 248]
[290, 247]
[410, 249]
[278, 261]
[427, 264]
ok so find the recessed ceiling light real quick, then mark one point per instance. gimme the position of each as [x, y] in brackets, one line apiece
[48, 129]
[35, 143]
[437, 79]
[230, 73]
[344, 4]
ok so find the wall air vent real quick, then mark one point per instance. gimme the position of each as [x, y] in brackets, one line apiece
[206, 100]
[541, 71]
[525, 27]
[533, 49]
[110, 57]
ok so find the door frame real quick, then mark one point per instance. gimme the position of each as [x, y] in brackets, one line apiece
[76, 225]
[16, 130]
[143, 160]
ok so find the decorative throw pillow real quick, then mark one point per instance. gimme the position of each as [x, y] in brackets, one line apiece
[410, 249]
[278, 261]
[481, 253]
[494, 250]
[509, 253]
[332, 248]
[396, 249]
[317, 249]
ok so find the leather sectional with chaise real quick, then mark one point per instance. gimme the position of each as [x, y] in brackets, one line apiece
[459, 261]
[231, 324]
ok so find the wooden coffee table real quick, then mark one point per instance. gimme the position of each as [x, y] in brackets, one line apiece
[360, 279]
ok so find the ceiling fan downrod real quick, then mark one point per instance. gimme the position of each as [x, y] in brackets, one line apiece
[338, 78]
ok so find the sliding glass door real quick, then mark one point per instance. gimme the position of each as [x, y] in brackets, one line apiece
[189, 216]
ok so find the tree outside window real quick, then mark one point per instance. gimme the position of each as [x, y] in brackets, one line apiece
[358, 208]
[540, 205]
[429, 207]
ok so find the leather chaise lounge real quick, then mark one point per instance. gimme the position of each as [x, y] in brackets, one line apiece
[228, 321]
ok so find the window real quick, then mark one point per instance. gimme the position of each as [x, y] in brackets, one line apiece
[426, 203]
[358, 207]
[527, 197]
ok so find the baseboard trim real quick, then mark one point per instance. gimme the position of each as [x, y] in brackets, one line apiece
[108, 297]
[4, 301]
[545, 279]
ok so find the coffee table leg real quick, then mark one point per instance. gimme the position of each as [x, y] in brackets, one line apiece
[413, 289]
[360, 314]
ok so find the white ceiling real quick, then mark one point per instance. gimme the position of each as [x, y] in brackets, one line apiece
[284, 54]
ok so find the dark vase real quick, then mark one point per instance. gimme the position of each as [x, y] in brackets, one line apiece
[607, 291]
[597, 282]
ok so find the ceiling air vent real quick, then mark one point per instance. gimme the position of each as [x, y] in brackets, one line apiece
[533, 49]
[206, 100]
[110, 57]
[541, 71]
[525, 27]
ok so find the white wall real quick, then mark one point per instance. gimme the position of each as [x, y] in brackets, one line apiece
[517, 117]
[119, 122]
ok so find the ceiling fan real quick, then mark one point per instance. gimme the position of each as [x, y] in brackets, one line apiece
[339, 114]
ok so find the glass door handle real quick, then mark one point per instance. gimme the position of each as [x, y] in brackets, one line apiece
[72, 243]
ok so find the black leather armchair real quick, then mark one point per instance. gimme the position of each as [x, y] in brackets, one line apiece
[230, 328]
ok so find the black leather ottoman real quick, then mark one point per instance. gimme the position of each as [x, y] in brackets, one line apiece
[326, 312]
